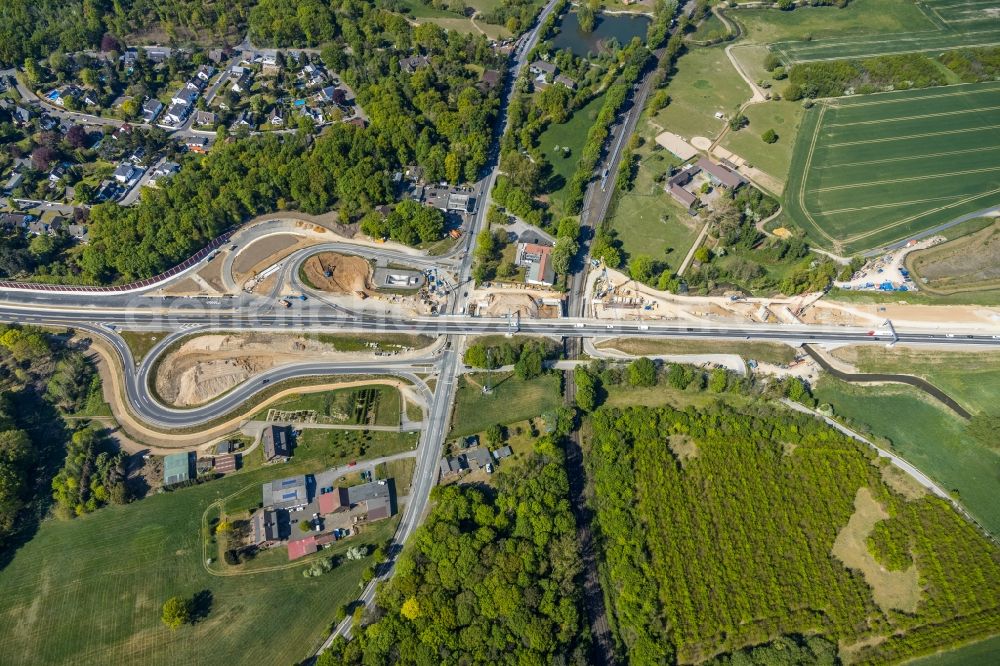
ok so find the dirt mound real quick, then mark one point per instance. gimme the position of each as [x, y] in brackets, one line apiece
[348, 275]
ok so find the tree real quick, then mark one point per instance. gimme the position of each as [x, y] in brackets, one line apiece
[771, 61]
[176, 612]
[718, 379]
[738, 122]
[42, 157]
[76, 136]
[642, 372]
[586, 388]
[769, 136]
[641, 267]
[494, 435]
[529, 365]
[563, 253]
[703, 255]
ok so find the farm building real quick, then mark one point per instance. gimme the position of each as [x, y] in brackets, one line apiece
[176, 468]
[265, 527]
[536, 258]
[335, 501]
[290, 493]
[277, 443]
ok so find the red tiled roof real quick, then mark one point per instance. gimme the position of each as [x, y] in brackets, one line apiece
[302, 547]
[330, 502]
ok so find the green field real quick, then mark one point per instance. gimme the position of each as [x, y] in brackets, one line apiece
[972, 379]
[705, 82]
[870, 170]
[511, 400]
[868, 28]
[572, 133]
[648, 220]
[773, 159]
[89, 590]
[809, 25]
[927, 435]
[982, 653]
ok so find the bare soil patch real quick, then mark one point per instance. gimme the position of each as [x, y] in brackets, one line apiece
[683, 447]
[207, 366]
[901, 482]
[348, 274]
[262, 249]
[890, 589]
[969, 263]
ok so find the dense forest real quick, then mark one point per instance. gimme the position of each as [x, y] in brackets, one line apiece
[490, 578]
[703, 556]
[35, 28]
[43, 378]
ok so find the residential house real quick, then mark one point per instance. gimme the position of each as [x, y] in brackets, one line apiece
[57, 172]
[185, 96]
[13, 182]
[538, 262]
[205, 118]
[269, 66]
[277, 117]
[197, 144]
[89, 97]
[312, 76]
[21, 116]
[125, 173]
[15, 220]
[479, 458]
[138, 157]
[216, 55]
[80, 232]
[489, 80]
[176, 113]
[244, 120]
[564, 80]
[151, 108]
[413, 63]
[130, 57]
[205, 73]
[163, 173]
[194, 84]
[277, 443]
[542, 68]
[242, 78]
[503, 452]
[157, 54]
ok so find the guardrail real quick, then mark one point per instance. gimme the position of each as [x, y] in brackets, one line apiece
[9, 285]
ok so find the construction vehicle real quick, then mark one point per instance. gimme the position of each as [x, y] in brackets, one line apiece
[284, 303]
[455, 233]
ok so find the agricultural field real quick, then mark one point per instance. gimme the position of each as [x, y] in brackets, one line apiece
[774, 159]
[89, 590]
[967, 264]
[868, 28]
[930, 437]
[705, 83]
[510, 400]
[980, 653]
[870, 170]
[571, 134]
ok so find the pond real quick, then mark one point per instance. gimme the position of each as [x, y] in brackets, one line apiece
[622, 27]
